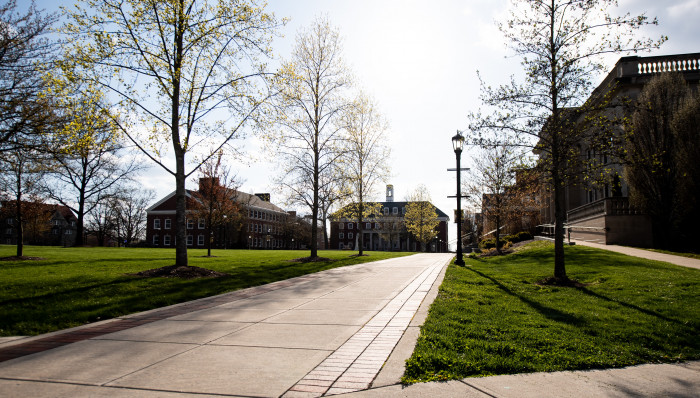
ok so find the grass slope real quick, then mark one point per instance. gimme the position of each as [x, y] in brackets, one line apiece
[491, 318]
[74, 286]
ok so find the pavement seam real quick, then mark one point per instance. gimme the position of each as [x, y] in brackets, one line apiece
[73, 383]
[478, 389]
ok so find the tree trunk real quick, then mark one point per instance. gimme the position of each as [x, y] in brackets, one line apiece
[180, 211]
[498, 234]
[314, 211]
[559, 217]
[360, 245]
[80, 225]
[179, 149]
[558, 164]
[20, 228]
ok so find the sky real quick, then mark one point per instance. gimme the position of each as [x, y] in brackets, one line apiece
[419, 61]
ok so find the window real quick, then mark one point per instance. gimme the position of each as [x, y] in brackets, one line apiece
[386, 211]
[368, 225]
[190, 224]
[376, 225]
[341, 246]
[200, 240]
[9, 231]
[349, 225]
[72, 223]
[341, 236]
[55, 232]
[167, 223]
[201, 223]
[10, 221]
[403, 210]
[396, 210]
[166, 240]
[156, 223]
[69, 232]
[190, 240]
[341, 225]
[155, 240]
[349, 235]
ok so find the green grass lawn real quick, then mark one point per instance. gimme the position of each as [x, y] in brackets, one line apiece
[74, 286]
[490, 318]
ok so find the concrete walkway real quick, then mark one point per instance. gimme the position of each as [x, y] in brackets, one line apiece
[648, 254]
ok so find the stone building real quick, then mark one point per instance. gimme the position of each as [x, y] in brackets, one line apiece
[600, 211]
[386, 232]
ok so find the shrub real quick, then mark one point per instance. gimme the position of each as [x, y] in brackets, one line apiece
[515, 238]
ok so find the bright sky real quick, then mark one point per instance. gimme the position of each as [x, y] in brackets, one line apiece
[419, 61]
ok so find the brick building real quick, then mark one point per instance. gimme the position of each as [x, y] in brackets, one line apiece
[44, 224]
[259, 225]
[386, 232]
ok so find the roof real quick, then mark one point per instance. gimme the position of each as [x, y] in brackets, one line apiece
[64, 211]
[241, 197]
[399, 205]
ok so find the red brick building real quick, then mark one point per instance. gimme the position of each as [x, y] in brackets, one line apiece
[44, 224]
[261, 224]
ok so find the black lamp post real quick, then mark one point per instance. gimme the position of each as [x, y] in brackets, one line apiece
[457, 144]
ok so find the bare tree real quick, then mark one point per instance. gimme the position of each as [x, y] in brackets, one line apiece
[90, 161]
[561, 43]
[364, 161]
[311, 104]
[189, 74]
[130, 206]
[492, 186]
[24, 50]
[332, 191]
[216, 200]
[21, 172]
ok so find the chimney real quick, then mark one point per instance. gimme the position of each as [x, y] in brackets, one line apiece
[206, 183]
[389, 193]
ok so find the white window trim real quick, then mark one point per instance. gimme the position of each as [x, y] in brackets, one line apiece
[190, 240]
[155, 240]
[200, 223]
[200, 240]
[166, 240]
[156, 223]
[167, 223]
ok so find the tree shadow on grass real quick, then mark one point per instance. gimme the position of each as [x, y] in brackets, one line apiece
[630, 306]
[548, 312]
